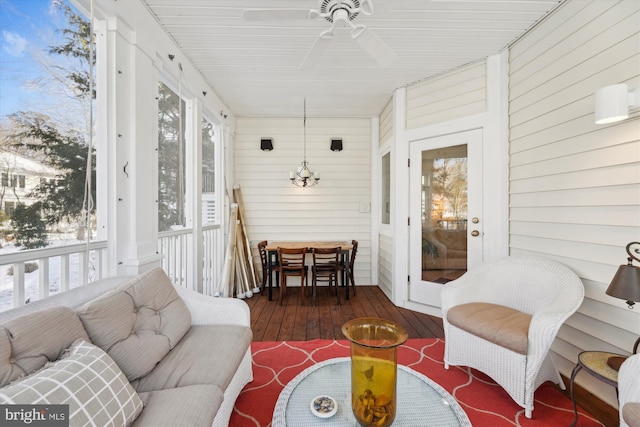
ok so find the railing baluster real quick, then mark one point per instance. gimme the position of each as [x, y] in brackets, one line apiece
[18, 284]
[64, 273]
[83, 263]
[43, 277]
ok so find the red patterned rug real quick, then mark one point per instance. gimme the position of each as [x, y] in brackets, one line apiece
[486, 403]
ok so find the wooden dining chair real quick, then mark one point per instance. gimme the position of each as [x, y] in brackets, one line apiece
[325, 269]
[275, 267]
[352, 260]
[292, 264]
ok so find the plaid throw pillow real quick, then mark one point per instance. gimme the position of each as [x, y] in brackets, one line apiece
[85, 378]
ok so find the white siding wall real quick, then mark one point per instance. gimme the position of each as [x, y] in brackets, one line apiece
[385, 236]
[385, 267]
[453, 95]
[575, 185]
[277, 210]
[386, 122]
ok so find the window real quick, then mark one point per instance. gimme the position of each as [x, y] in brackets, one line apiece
[208, 172]
[386, 189]
[171, 159]
[9, 208]
[47, 91]
[208, 157]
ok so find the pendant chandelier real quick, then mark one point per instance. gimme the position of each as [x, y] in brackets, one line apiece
[303, 177]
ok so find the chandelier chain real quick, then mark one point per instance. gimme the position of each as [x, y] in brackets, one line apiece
[303, 177]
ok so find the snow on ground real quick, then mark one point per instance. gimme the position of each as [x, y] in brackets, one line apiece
[32, 279]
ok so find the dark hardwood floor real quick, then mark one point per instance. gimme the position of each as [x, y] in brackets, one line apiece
[298, 320]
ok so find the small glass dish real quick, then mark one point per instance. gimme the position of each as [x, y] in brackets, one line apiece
[323, 406]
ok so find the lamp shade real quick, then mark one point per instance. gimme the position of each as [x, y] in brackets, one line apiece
[626, 283]
[612, 104]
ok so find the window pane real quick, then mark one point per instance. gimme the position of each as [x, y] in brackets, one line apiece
[386, 189]
[444, 212]
[171, 159]
[208, 173]
[46, 119]
[208, 160]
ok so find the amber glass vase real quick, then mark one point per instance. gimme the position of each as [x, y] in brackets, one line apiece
[374, 368]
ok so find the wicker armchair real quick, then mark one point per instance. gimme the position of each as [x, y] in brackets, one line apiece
[629, 392]
[514, 308]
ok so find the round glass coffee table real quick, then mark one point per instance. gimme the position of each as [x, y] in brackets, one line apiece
[420, 401]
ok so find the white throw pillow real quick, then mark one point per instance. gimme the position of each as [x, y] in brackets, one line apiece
[85, 378]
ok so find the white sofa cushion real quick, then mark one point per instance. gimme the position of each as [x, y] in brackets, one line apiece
[192, 406]
[191, 361]
[138, 323]
[86, 379]
[27, 343]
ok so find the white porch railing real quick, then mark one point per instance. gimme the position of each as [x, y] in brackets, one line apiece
[177, 250]
[60, 268]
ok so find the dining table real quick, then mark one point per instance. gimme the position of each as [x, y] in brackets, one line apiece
[345, 250]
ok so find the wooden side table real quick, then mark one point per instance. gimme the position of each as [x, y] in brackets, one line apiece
[595, 363]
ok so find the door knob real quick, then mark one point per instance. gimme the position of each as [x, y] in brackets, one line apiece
[475, 220]
[475, 233]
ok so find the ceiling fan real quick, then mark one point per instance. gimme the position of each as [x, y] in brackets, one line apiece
[339, 13]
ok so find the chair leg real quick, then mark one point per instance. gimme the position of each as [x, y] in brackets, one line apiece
[333, 282]
[264, 281]
[283, 288]
[313, 289]
[353, 282]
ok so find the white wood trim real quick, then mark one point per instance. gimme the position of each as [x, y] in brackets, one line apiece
[376, 204]
[400, 200]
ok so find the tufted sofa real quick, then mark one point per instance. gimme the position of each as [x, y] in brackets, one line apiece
[128, 351]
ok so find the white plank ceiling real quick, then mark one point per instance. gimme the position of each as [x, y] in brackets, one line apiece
[254, 66]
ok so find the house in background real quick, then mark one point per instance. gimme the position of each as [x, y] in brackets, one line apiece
[544, 178]
[19, 176]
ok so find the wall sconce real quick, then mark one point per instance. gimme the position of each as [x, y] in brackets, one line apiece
[613, 102]
[336, 144]
[266, 144]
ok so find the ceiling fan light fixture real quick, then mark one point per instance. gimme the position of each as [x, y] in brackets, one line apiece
[339, 13]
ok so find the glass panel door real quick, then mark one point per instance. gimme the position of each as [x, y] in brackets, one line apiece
[446, 203]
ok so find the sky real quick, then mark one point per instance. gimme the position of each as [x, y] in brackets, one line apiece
[27, 29]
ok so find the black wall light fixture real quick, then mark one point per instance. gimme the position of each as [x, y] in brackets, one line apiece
[266, 144]
[336, 144]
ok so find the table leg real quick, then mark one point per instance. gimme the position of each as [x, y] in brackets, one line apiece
[345, 273]
[269, 267]
[575, 371]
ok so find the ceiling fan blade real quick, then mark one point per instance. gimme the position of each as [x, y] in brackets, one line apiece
[374, 46]
[319, 46]
[275, 14]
